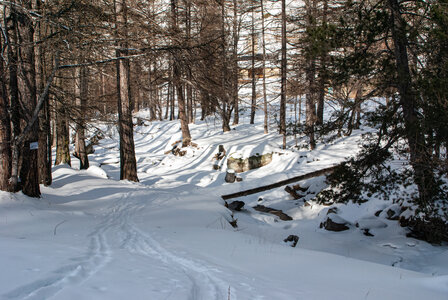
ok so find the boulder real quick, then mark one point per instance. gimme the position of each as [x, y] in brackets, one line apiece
[273, 211]
[392, 212]
[292, 239]
[334, 222]
[246, 164]
[236, 205]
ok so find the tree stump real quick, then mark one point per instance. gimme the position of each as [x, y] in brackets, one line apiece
[230, 176]
[221, 153]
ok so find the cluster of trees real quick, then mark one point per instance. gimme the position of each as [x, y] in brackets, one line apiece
[397, 50]
[63, 62]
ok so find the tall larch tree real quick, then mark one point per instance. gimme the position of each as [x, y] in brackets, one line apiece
[128, 163]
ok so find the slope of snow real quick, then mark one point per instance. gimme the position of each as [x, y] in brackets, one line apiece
[91, 236]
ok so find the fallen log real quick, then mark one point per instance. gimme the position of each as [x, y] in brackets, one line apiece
[280, 183]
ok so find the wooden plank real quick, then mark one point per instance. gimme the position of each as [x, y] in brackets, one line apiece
[280, 183]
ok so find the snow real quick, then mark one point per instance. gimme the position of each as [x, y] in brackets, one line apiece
[92, 236]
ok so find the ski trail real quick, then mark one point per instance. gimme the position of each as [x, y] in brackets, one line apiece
[204, 284]
[118, 221]
[97, 256]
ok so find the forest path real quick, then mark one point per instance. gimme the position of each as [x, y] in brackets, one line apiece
[116, 242]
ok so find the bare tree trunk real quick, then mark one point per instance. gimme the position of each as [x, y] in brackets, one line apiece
[29, 173]
[62, 134]
[235, 69]
[81, 92]
[283, 77]
[189, 89]
[5, 131]
[355, 109]
[103, 91]
[128, 164]
[420, 158]
[254, 91]
[186, 137]
[265, 98]
[226, 99]
[311, 80]
[13, 93]
[44, 151]
[310, 105]
[323, 71]
[167, 107]
[172, 97]
[152, 95]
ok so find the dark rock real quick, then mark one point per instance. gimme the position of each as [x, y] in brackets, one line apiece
[392, 215]
[239, 179]
[377, 214]
[366, 232]
[234, 223]
[293, 239]
[334, 223]
[236, 205]
[273, 211]
[333, 210]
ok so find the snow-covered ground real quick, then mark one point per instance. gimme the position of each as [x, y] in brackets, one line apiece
[92, 236]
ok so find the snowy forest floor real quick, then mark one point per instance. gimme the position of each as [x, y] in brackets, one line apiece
[92, 236]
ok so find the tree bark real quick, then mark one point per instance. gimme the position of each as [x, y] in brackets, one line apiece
[283, 77]
[128, 164]
[186, 137]
[29, 173]
[5, 131]
[62, 134]
[311, 80]
[189, 89]
[419, 156]
[235, 69]
[265, 98]
[44, 151]
[253, 83]
[226, 99]
[81, 92]
[323, 70]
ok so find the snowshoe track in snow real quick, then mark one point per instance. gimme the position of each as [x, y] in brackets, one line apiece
[97, 256]
[204, 284]
[117, 231]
